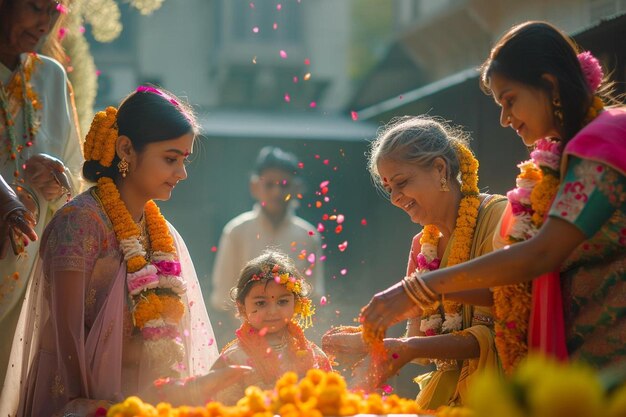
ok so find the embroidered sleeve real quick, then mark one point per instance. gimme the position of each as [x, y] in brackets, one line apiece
[74, 240]
[589, 194]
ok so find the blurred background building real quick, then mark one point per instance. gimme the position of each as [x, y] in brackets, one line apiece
[317, 77]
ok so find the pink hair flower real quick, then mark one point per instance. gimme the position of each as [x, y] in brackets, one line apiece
[591, 69]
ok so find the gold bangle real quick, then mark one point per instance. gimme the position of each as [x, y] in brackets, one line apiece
[416, 292]
[430, 293]
[409, 292]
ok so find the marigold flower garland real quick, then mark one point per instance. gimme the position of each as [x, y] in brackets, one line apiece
[154, 281]
[537, 184]
[432, 322]
[267, 360]
[20, 88]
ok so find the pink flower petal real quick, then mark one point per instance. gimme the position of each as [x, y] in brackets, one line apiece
[355, 115]
[283, 54]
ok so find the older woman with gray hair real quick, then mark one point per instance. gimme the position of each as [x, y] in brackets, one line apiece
[428, 171]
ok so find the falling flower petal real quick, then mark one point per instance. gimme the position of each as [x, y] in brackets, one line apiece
[81, 29]
[307, 76]
[324, 246]
[275, 26]
[62, 9]
[323, 301]
[311, 258]
[340, 218]
[308, 272]
[320, 227]
[283, 54]
[287, 98]
[344, 271]
[326, 161]
[307, 61]
[62, 33]
[254, 60]
[355, 115]
[338, 229]
[279, 6]
[363, 222]
[300, 165]
[312, 104]
[213, 248]
[324, 184]
[387, 389]
[342, 246]
[255, 29]
[252, 5]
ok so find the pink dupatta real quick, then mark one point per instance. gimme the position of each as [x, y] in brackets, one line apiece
[603, 140]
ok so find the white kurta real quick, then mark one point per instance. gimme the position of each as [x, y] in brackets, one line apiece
[57, 136]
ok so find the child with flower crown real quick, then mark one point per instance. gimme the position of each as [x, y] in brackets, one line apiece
[116, 304]
[271, 297]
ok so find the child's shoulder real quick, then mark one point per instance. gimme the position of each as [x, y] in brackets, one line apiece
[233, 354]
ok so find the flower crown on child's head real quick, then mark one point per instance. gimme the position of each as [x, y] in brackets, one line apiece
[304, 309]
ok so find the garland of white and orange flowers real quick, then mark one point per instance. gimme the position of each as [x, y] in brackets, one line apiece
[154, 281]
[432, 323]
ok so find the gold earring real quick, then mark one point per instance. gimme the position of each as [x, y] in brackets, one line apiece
[122, 166]
[558, 110]
[444, 184]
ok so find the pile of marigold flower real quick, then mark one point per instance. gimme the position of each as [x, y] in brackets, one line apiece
[318, 394]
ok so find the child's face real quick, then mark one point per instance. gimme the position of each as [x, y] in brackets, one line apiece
[271, 189]
[269, 305]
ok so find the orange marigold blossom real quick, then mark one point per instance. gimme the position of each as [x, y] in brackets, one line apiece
[318, 394]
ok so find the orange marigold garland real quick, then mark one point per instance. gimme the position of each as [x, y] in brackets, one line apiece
[432, 321]
[266, 360]
[21, 89]
[154, 281]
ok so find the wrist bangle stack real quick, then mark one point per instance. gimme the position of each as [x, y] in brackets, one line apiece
[419, 293]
